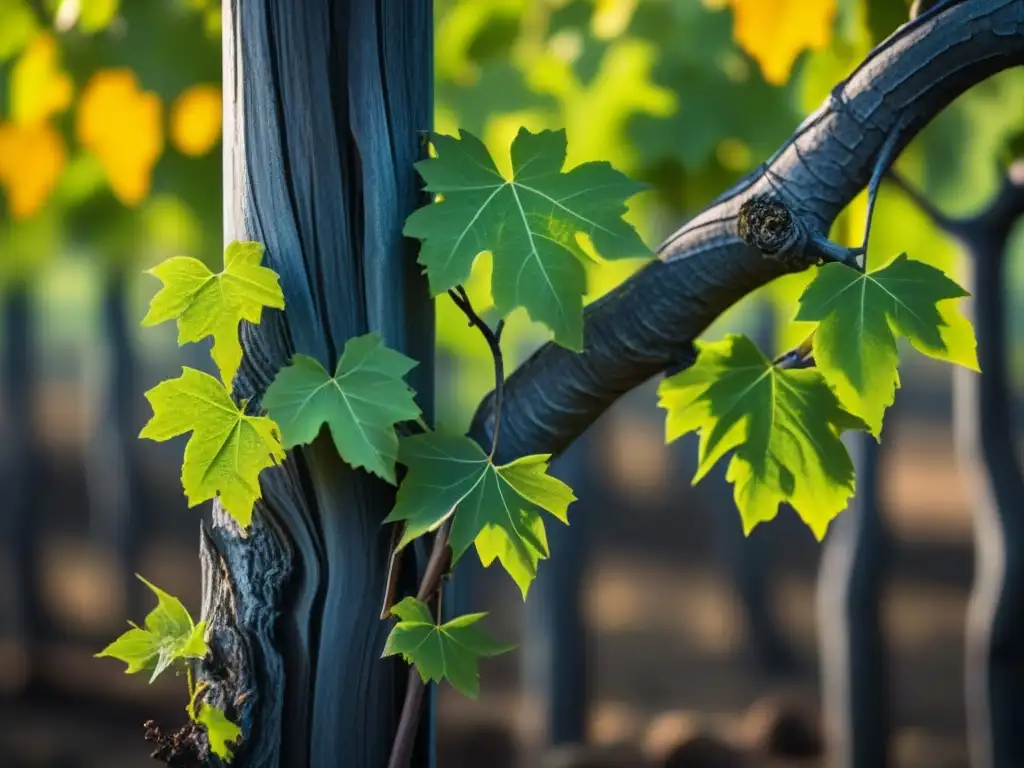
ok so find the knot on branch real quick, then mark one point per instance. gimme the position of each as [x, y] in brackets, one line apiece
[768, 225]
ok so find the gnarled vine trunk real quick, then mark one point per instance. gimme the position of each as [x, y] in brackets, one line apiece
[326, 105]
[325, 101]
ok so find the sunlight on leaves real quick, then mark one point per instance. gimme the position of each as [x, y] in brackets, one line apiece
[221, 732]
[861, 316]
[595, 115]
[17, 28]
[775, 32]
[449, 472]
[361, 403]
[207, 304]
[167, 635]
[38, 87]
[528, 222]
[449, 651]
[783, 426]
[122, 125]
[196, 120]
[96, 15]
[227, 449]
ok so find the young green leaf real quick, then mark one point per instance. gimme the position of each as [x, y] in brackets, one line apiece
[783, 424]
[227, 449]
[520, 562]
[451, 650]
[208, 304]
[221, 732]
[361, 403]
[860, 317]
[169, 634]
[500, 503]
[529, 223]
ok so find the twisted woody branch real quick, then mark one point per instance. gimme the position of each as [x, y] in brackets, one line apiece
[649, 323]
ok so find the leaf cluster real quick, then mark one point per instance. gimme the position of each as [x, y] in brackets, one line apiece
[783, 425]
[170, 639]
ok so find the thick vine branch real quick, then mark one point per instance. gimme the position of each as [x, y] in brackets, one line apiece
[649, 322]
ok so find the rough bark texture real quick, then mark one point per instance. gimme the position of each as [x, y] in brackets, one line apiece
[326, 104]
[651, 320]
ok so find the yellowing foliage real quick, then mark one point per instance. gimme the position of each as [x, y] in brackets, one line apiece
[196, 120]
[122, 125]
[39, 88]
[32, 152]
[775, 32]
[31, 159]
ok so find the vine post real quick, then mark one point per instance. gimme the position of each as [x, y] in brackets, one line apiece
[326, 105]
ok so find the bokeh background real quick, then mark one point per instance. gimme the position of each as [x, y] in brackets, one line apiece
[670, 624]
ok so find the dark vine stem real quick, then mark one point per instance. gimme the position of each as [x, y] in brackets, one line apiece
[799, 357]
[440, 555]
[493, 338]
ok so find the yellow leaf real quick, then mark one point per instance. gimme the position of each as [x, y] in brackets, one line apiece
[39, 88]
[122, 125]
[775, 32]
[31, 159]
[196, 120]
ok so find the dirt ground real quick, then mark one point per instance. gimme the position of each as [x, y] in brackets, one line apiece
[666, 635]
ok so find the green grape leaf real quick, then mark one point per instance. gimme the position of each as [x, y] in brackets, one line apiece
[783, 424]
[520, 562]
[222, 734]
[860, 316]
[529, 223]
[448, 471]
[451, 650]
[227, 449]
[208, 304]
[361, 403]
[167, 634]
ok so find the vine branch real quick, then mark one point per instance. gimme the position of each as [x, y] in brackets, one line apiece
[493, 338]
[440, 555]
[649, 323]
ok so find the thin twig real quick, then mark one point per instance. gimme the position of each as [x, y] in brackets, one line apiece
[394, 568]
[798, 357]
[440, 555]
[493, 338]
[401, 752]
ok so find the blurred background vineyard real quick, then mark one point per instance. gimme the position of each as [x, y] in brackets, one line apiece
[110, 161]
